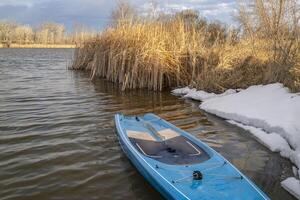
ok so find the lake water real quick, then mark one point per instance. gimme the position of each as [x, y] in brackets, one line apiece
[58, 141]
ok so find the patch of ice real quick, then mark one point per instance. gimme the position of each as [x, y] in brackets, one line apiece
[199, 95]
[292, 185]
[271, 140]
[181, 91]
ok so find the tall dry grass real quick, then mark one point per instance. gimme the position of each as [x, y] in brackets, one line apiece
[186, 50]
[149, 55]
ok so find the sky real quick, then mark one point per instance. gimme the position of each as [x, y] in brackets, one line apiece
[96, 13]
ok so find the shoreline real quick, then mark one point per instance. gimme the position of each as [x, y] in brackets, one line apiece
[41, 46]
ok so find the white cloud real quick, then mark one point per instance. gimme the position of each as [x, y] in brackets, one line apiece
[97, 12]
[211, 9]
[17, 2]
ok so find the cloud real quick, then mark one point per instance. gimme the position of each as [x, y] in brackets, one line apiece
[96, 13]
[211, 9]
[17, 2]
[68, 12]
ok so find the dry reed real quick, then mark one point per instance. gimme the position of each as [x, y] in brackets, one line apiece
[165, 53]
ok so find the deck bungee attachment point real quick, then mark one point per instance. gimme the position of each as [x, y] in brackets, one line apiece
[177, 164]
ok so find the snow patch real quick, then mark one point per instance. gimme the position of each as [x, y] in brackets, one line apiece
[295, 171]
[270, 112]
[181, 91]
[200, 95]
[271, 140]
[292, 185]
[269, 107]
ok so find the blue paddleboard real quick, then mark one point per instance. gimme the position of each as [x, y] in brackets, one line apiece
[179, 165]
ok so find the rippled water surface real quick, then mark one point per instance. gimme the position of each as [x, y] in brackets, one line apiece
[57, 136]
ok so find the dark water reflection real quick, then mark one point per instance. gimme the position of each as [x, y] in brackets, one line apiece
[57, 137]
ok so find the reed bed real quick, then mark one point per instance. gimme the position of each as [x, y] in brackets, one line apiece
[157, 54]
[149, 55]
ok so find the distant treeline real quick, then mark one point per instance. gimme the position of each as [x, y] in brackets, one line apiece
[46, 33]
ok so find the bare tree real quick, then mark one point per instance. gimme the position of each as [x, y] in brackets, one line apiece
[6, 30]
[123, 13]
[41, 36]
[50, 33]
[23, 34]
[273, 20]
[59, 34]
[81, 33]
[153, 11]
[189, 17]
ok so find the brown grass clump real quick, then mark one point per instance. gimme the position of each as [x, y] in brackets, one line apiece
[149, 55]
[184, 49]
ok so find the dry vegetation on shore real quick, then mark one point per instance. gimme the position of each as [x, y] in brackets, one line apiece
[184, 49]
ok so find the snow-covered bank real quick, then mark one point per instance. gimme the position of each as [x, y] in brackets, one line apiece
[271, 140]
[270, 112]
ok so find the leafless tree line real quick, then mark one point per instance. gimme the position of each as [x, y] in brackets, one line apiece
[46, 33]
[277, 21]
